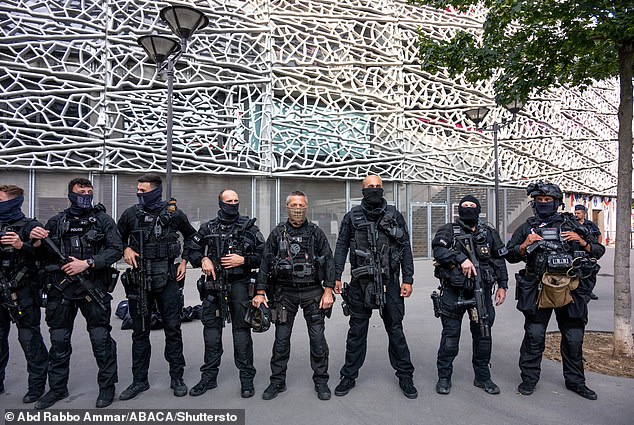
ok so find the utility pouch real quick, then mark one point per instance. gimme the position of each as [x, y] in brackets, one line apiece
[526, 291]
[370, 296]
[111, 278]
[555, 290]
[279, 314]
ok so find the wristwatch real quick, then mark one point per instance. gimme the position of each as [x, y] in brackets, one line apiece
[91, 262]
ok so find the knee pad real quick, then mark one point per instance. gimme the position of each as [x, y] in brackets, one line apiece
[482, 348]
[60, 342]
[536, 333]
[452, 346]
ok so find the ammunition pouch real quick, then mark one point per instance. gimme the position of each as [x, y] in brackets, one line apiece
[283, 270]
[558, 262]
[303, 270]
[453, 276]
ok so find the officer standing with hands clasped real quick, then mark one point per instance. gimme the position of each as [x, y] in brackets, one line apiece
[376, 236]
[470, 261]
[230, 250]
[297, 270]
[84, 243]
[20, 298]
[560, 254]
[150, 235]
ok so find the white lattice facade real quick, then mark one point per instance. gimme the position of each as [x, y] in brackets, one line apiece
[325, 89]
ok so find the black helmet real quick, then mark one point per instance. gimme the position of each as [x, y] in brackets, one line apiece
[544, 189]
[259, 318]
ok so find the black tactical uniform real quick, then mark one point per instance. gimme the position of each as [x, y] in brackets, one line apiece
[158, 228]
[20, 302]
[89, 234]
[393, 246]
[594, 230]
[233, 235]
[555, 257]
[295, 264]
[449, 254]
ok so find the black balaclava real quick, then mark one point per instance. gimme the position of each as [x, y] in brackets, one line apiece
[79, 204]
[228, 213]
[544, 210]
[373, 203]
[11, 209]
[372, 197]
[469, 215]
[151, 200]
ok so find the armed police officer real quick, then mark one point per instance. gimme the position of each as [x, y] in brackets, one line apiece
[560, 255]
[580, 214]
[82, 243]
[230, 252]
[297, 270]
[19, 295]
[150, 236]
[376, 235]
[469, 263]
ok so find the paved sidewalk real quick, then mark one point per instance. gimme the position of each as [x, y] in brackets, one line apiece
[377, 398]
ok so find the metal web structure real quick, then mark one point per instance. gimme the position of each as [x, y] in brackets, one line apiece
[317, 88]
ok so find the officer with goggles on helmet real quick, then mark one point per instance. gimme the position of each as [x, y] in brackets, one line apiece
[560, 255]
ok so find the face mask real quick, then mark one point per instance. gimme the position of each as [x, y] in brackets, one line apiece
[229, 211]
[296, 216]
[469, 215]
[373, 196]
[545, 209]
[11, 209]
[151, 198]
[80, 201]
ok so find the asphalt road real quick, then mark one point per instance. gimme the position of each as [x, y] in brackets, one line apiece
[376, 399]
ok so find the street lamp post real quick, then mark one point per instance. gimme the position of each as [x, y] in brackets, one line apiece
[184, 21]
[477, 115]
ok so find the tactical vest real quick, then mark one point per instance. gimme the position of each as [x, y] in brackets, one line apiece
[160, 237]
[551, 254]
[10, 258]
[480, 241]
[295, 263]
[387, 232]
[234, 239]
[78, 236]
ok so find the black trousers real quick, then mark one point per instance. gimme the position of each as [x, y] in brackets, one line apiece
[308, 299]
[572, 330]
[212, 333]
[30, 338]
[60, 318]
[170, 305]
[450, 336]
[357, 341]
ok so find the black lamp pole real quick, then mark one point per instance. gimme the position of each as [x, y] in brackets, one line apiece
[477, 115]
[184, 21]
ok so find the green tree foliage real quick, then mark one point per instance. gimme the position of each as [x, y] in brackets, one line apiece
[526, 47]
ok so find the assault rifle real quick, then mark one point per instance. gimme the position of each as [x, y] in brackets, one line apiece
[9, 294]
[138, 278]
[477, 304]
[93, 293]
[221, 284]
[374, 267]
